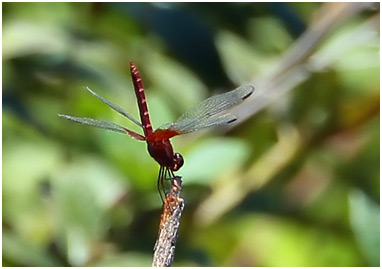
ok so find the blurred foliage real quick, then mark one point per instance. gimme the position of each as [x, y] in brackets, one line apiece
[297, 184]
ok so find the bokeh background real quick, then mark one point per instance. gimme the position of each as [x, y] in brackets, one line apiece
[295, 182]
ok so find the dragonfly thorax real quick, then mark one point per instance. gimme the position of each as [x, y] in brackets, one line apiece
[163, 153]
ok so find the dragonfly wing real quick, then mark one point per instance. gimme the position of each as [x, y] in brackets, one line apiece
[218, 103]
[189, 125]
[104, 125]
[204, 115]
[115, 107]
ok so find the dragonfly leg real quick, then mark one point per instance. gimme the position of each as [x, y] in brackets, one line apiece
[165, 173]
[172, 175]
[160, 180]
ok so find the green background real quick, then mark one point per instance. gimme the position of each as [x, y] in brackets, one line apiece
[295, 183]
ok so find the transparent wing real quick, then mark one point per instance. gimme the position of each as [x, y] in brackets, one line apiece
[192, 125]
[115, 107]
[218, 103]
[204, 115]
[104, 125]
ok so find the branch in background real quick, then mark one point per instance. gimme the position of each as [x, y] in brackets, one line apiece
[164, 249]
[294, 67]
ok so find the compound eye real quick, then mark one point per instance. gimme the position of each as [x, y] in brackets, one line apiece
[178, 162]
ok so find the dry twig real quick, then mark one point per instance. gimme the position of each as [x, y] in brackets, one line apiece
[164, 249]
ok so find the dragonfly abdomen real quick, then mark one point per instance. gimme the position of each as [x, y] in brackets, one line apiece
[141, 98]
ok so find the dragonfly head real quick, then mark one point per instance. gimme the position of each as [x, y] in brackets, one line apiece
[177, 162]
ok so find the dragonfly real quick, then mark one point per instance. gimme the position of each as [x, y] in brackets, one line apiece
[210, 112]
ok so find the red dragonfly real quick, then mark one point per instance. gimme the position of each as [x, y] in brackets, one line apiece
[204, 115]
